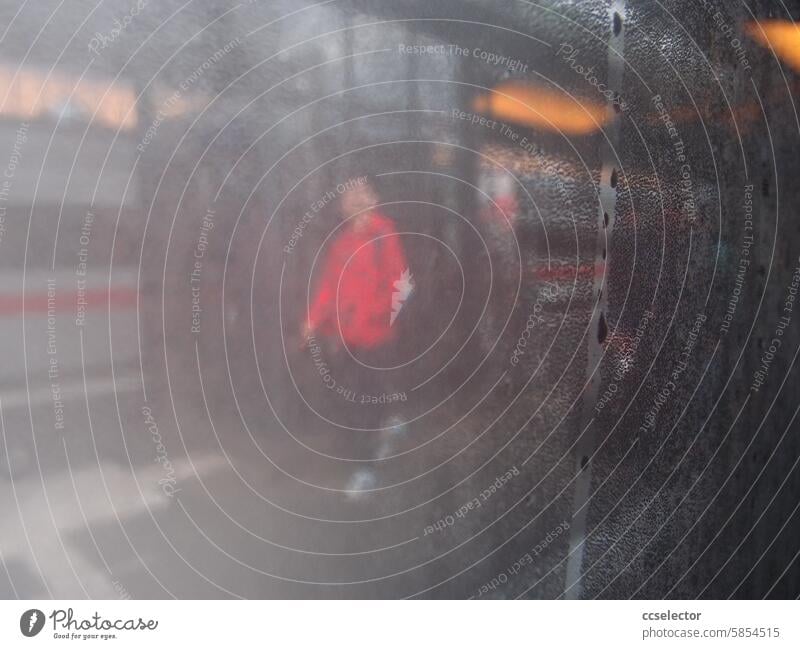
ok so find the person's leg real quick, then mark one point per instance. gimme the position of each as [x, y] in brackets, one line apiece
[375, 406]
[387, 397]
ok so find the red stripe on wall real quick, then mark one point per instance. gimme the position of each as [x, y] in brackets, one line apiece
[13, 304]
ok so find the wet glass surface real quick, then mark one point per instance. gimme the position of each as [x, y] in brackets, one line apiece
[378, 299]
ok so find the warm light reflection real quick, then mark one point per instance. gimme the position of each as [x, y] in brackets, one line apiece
[783, 36]
[551, 110]
[27, 93]
[528, 163]
[172, 103]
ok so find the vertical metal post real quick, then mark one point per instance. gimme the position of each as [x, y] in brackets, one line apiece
[605, 227]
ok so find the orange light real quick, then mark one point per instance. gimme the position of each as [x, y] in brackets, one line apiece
[542, 108]
[28, 93]
[782, 36]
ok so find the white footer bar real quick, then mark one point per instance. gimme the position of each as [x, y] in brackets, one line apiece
[399, 624]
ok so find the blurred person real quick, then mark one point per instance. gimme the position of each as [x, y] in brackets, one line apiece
[363, 286]
[354, 298]
[499, 213]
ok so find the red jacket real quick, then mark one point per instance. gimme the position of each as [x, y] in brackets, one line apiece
[362, 265]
